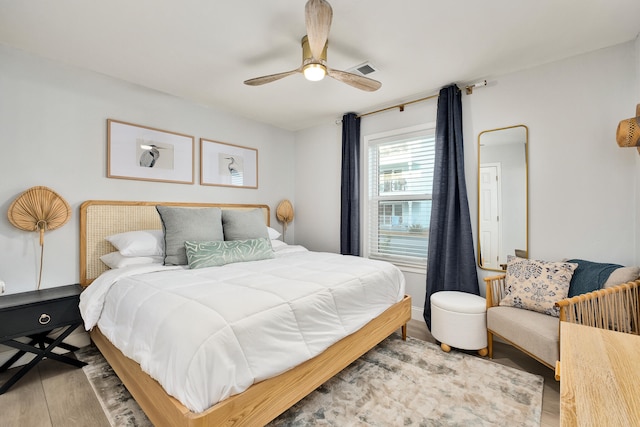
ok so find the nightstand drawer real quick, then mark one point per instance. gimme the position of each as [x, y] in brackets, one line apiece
[27, 320]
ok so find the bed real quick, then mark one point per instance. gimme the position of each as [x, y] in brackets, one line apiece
[267, 397]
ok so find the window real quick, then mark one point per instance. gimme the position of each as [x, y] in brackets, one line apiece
[399, 183]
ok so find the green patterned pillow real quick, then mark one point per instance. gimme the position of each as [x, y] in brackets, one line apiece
[537, 285]
[216, 253]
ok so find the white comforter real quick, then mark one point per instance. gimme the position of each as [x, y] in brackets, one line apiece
[207, 334]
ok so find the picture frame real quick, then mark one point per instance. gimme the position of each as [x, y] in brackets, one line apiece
[149, 154]
[228, 165]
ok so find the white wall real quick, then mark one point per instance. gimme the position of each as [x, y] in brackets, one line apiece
[53, 133]
[318, 164]
[583, 188]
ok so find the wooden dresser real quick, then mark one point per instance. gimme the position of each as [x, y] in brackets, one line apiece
[599, 377]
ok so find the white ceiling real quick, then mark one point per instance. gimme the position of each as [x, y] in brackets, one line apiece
[202, 50]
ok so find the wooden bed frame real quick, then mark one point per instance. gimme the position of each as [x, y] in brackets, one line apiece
[260, 403]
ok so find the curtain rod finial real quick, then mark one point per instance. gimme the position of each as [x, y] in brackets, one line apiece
[469, 88]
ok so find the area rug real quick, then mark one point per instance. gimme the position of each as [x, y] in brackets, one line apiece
[398, 383]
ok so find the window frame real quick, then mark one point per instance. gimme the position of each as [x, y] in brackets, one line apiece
[366, 233]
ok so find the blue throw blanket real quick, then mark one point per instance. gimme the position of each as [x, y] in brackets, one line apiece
[589, 276]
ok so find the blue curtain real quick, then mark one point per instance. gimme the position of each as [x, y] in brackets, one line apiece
[350, 188]
[451, 261]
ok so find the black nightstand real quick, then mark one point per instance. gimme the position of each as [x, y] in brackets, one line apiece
[35, 314]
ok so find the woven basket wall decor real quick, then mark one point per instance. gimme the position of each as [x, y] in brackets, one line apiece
[628, 132]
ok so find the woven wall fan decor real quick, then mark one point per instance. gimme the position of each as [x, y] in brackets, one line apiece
[284, 213]
[39, 209]
[628, 132]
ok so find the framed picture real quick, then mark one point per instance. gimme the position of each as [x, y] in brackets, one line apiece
[228, 165]
[148, 154]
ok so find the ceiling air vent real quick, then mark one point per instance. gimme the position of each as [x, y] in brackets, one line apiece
[363, 69]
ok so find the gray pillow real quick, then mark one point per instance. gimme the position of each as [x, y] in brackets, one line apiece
[244, 225]
[182, 224]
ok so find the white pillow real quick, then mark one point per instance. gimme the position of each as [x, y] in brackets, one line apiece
[622, 275]
[276, 244]
[138, 243]
[116, 260]
[273, 233]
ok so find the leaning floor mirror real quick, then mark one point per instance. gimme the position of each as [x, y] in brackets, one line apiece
[502, 196]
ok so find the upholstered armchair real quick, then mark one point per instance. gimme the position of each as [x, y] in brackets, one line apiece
[615, 307]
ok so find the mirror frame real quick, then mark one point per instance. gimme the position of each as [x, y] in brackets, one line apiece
[526, 188]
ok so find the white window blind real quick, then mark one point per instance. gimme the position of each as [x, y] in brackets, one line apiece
[399, 181]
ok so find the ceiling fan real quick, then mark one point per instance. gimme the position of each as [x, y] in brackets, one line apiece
[318, 14]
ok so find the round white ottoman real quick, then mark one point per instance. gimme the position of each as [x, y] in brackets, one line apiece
[458, 319]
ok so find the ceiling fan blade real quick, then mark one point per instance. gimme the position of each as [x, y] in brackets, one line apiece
[270, 78]
[318, 14]
[359, 82]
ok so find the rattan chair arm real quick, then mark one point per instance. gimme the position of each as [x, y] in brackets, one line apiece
[596, 294]
[615, 307]
[495, 288]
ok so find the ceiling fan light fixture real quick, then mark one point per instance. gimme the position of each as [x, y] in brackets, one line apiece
[318, 14]
[314, 72]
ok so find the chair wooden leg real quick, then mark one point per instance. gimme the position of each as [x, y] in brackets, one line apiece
[490, 344]
[404, 332]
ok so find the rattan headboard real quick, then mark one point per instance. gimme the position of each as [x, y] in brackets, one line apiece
[102, 218]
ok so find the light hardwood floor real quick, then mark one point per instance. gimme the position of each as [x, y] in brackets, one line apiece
[58, 395]
[52, 394]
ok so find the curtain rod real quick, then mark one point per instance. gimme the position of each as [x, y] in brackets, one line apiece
[400, 106]
[468, 90]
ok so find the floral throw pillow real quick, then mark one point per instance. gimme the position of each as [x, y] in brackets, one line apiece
[537, 285]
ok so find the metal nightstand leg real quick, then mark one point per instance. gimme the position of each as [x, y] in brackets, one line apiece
[41, 352]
